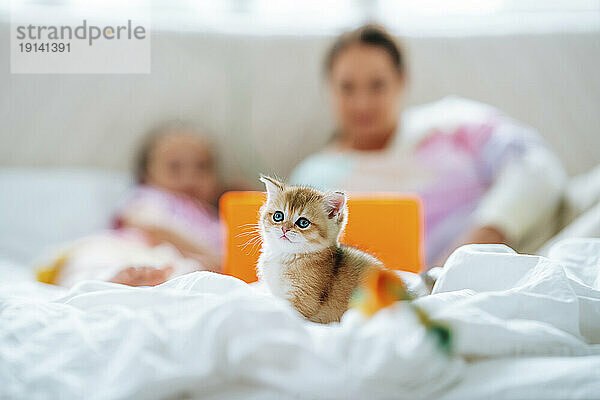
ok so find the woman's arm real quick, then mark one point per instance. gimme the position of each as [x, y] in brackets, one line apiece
[527, 189]
[527, 185]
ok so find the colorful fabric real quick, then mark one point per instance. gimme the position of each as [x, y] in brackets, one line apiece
[451, 154]
[196, 222]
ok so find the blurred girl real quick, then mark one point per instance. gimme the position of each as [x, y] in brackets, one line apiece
[166, 226]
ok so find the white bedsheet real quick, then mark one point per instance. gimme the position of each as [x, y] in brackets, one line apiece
[515, 319]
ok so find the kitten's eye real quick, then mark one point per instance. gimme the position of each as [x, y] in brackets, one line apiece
[277, 216]
[302, 223]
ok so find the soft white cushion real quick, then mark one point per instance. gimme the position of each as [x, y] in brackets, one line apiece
[583, 192]
[581, 214]
[40, 207]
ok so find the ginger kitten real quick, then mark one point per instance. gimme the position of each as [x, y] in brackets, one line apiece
[301, 258]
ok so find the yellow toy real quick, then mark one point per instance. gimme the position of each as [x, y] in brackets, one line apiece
[382, 288]
[49, 273]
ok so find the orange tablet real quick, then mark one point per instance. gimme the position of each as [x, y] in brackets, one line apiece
[386, 225]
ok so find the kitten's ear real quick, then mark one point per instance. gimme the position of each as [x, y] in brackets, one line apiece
[273, 186]
[334, 203]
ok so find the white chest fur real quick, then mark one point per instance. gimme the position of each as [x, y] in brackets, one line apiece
[271, 267]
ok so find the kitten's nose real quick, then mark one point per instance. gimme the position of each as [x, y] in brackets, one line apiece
[284, 230]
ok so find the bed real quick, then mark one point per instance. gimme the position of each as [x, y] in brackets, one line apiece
[523, 327]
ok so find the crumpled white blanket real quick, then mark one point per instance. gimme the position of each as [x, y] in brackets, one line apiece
[204, 335]
[500, 303]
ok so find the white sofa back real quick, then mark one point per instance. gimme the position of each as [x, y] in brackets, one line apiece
[45, 207]
[264, 97]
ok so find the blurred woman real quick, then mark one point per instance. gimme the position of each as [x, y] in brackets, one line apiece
[483, 177]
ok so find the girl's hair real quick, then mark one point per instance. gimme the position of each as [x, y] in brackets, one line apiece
[369, 35]
[151, 138]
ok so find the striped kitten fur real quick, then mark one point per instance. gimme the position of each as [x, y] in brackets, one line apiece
[301, 258]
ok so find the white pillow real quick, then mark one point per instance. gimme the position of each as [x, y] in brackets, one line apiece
[43, 207]
[583, 192]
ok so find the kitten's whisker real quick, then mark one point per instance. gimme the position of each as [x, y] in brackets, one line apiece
[250, 235]
[257, 243]
[248, 242]
[247, 225]
[249, 231]
[248, 228]
[252, 242]
[245, 243]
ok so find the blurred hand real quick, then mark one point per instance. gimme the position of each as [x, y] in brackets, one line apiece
[480, 234]
[484, 234]
[142, 276]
